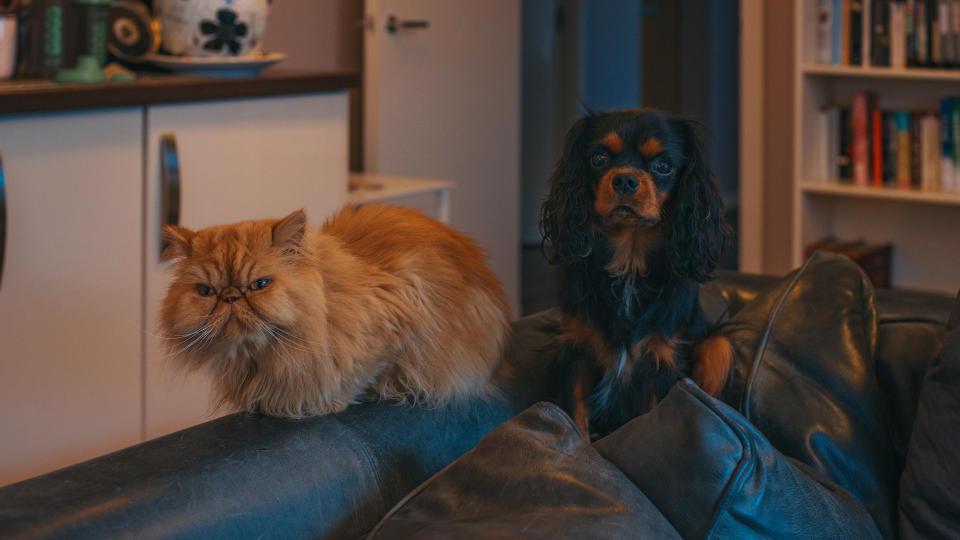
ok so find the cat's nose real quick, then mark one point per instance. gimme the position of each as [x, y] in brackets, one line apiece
[230, 295]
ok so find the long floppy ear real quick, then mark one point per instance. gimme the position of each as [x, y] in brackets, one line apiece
[565, 214]
[175, 242]
[289, 231]
[698, 232]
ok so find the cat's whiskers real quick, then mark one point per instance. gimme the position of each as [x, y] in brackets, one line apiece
[202, 336]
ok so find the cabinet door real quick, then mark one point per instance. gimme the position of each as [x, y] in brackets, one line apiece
[70, 297]
[238, 160]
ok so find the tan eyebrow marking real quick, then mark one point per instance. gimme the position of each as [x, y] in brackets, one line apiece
[651, 147]
[613, 142]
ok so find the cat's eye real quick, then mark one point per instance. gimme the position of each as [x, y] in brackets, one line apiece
[259, 284]
[599, 160]
[662, 168]
[205, 290]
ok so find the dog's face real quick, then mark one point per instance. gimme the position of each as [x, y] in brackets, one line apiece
[639, 181]
[633, 160]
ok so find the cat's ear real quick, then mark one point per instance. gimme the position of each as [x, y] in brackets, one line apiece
[289, 231]
[175, 242]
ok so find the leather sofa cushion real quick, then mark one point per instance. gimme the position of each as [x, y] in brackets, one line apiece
[805, 377]
[532, 477]
[929, 496]
[713, 475]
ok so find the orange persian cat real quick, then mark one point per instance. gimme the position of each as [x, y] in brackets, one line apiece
[294, 321]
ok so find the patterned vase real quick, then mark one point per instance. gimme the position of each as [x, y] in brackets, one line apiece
[212, 27]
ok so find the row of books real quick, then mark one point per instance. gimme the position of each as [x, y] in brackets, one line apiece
[893, 33]
[869, 146]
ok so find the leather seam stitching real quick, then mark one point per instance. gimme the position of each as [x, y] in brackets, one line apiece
[762, 347]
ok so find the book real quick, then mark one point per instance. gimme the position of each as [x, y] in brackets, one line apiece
[903, 150]
[860, 154]
[954, 33]
[866, 32]
[837, 42]
[944, 13]
[856, 33]
[955, 137]
[910, 31]
[947, 172]
[876, 125]
[845, 39]
[930, 151]
[825, 31]
[889, 148]
[916, 153]
[844, 161]
[880, 41]
[898, 45]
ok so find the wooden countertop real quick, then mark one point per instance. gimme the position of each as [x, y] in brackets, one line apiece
[25, 96]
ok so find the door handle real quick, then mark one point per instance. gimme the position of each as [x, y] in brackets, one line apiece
[169, 184]
[3, 219]
[394, 24]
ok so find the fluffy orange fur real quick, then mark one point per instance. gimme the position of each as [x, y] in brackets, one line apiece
[293, 321]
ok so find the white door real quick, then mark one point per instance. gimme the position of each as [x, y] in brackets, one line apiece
[443, 101]
[238, 160]
[70, 310]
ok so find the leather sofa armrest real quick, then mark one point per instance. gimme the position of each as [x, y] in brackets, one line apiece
[249, 476]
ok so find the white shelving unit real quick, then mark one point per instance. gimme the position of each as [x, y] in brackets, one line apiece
[394, 189]
[923, 226]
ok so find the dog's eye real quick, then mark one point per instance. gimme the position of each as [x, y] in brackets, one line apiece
[205, 290]
[662, 168]
[259, 284]
[599, 160]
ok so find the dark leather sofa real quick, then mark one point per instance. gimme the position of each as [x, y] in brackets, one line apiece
[811, 439]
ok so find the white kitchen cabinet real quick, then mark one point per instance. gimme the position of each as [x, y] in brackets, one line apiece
[238, 160]
[70, 294]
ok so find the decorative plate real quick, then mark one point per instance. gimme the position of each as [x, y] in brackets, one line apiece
[217, 66]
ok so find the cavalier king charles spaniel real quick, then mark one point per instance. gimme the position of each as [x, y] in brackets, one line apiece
[635, 222]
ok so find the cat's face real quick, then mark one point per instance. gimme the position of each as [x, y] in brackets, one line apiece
[235, 288]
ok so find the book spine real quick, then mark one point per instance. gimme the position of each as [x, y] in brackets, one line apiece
[856, 32]
[837, 42]
[890, 148]
[916, 150]
[866, 31]
[946, 145]
[932, 150]
[844, 168]
[880, 41]
[955, 138]
[943, 26]
[933, 31]
[898, 47]
[909, 28]
[860, 136]
[903, 149]
[954, 32]
[877, 144]
[845, 43]
[920, 19]
[825, 31]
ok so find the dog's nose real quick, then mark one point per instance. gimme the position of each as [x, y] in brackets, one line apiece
[230, 295]
[625, 184]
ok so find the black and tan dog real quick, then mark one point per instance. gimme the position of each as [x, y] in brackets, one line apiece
[635, 221]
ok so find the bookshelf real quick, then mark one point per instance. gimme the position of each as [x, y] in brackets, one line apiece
[923, 226]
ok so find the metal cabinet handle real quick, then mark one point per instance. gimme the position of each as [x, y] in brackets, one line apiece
[3, 218]
[169, 183]
[394, 24]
